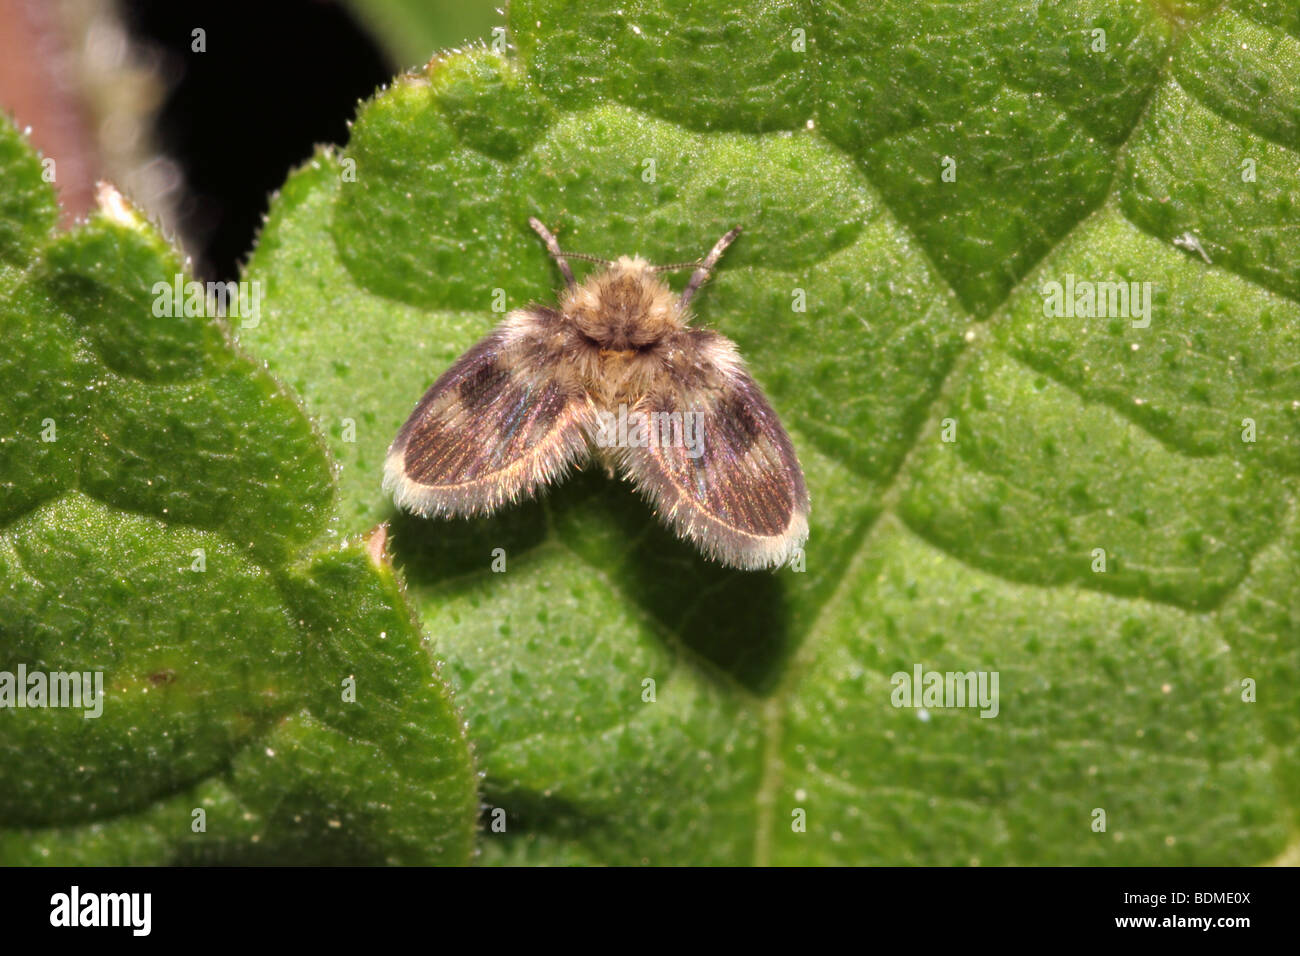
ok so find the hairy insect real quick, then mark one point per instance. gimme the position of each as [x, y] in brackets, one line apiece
[614, 373]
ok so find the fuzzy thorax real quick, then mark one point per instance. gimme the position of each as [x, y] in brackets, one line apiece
[624, 307]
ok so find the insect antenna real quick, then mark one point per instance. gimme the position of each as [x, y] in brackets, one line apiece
[702, 271]
[586, 258]
[561, 257]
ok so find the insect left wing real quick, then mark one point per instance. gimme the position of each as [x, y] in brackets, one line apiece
[742, 499]
[494, 426]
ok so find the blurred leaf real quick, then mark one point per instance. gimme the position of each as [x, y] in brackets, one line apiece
[411, 29]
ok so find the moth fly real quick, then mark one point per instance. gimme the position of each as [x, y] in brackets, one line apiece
[615, 373]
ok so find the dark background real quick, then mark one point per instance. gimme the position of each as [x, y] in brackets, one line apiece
[278, 77]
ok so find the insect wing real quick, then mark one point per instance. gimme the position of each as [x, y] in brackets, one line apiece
[739, 495]
[493, 427]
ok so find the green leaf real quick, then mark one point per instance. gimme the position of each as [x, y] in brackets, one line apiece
[651, 127]
[166, 517]
[1121, 690]
[28, 208]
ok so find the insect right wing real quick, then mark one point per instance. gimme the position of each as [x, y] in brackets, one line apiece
[739, 495]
